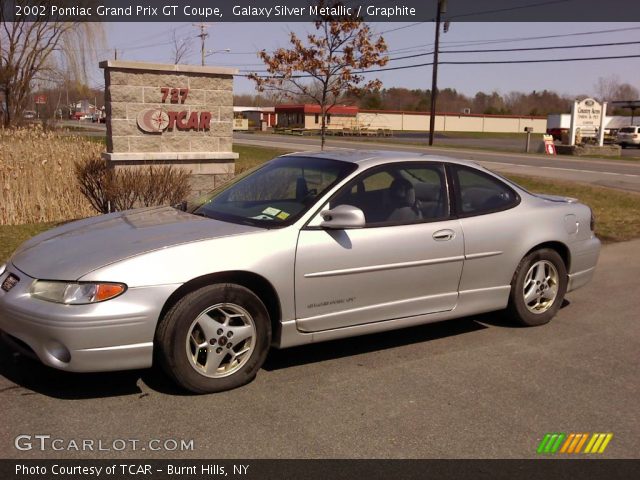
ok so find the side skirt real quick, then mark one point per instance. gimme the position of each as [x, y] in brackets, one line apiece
[470, 302]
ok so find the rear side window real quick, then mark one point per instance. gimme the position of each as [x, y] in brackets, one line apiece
[479, 193]
[398, 194]
[628, 130]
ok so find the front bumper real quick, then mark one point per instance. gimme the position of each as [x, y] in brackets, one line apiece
[112, 335]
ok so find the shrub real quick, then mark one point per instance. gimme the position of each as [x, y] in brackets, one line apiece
[121, 189]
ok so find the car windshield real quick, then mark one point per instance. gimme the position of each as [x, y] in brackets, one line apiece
[276, 194]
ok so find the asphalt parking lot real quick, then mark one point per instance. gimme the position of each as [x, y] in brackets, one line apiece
[475, 388]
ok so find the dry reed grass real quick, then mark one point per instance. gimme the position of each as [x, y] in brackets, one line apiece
[37, 180]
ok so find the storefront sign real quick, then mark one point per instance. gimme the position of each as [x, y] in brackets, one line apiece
[157, 120]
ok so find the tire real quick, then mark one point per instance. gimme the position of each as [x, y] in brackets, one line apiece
[214, 339]
[537, 288]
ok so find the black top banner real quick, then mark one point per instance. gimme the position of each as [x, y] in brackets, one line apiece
[312, 10]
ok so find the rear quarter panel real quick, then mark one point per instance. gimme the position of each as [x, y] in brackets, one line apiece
[509, 235]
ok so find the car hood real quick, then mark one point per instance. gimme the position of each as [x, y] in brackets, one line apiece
[77, 248]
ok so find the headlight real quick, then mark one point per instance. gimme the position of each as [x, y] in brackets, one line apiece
[3, 267]
[74, 293]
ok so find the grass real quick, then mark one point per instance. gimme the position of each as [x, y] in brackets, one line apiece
[617, 213]
[253, 156]
[11, 236]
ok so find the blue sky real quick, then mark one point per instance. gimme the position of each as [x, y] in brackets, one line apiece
[151, 42]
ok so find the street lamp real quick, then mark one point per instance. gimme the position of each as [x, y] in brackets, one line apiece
[442, 8]
[212, 52]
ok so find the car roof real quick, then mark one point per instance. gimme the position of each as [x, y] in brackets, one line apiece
[367, 158]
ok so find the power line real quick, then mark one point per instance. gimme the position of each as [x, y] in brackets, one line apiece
[526, 49]
[147, 37]
[545, 60]
[508, 9]
[464, 43]
[559, 47]
[478, 62]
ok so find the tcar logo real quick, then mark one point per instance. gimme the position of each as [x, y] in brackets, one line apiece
[153, 121]
[157, 121]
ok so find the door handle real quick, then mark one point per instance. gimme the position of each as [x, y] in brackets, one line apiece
[443, 235]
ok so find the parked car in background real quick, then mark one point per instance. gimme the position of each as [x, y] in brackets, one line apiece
[99, 116]
[629, 136]
[309, 247]
[29, 115]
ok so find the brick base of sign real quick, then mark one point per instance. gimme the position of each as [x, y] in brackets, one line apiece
[593, 150]
[206, 173]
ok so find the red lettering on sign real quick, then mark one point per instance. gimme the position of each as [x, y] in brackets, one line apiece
[195, 121]
[180, 121]
[205, 120]
[178, 95]
[192, 123]
[172, 119]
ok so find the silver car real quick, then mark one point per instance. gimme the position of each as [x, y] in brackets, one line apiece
[309, 247]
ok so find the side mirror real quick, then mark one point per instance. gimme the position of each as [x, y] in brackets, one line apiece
[182, 206]
[342, 217]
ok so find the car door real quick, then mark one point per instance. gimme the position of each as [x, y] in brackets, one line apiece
[406, 261]
[485, 205]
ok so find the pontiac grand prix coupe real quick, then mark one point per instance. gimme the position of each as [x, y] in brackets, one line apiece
[307, 248]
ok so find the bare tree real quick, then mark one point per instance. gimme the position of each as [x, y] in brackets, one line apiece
[611, 88]
[181, 48]
[38, 50]
[326, 66]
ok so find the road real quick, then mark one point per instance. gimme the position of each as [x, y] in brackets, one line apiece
[497, 142]
[474, 387]
[624, 175]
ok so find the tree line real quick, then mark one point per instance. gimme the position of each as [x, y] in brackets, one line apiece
[535, 103]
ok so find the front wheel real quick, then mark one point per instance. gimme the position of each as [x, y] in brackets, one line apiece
[537, 288]
[214, 339]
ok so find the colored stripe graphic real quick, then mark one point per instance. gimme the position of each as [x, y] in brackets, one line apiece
[572, 443]
[598, 442]
[556, 445]
[551, 443]
[544, 442]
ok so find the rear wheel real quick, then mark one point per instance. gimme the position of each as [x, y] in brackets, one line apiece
[537, 288]
[215, 338]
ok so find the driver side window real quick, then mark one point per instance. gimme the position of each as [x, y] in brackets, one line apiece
[398, 194]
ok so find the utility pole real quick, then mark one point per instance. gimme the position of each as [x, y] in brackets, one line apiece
[442, 8]
[203, 36]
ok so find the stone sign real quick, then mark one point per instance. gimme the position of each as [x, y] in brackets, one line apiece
[180, 115]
